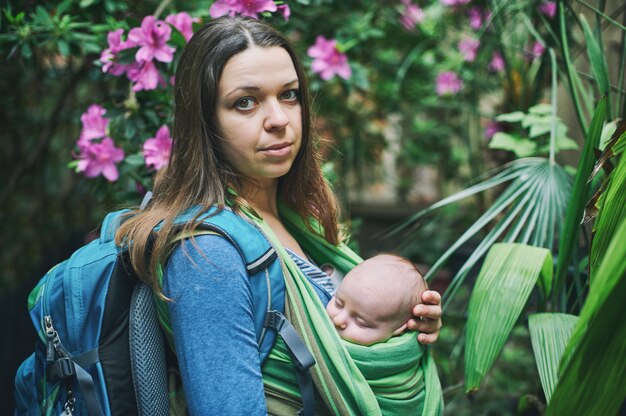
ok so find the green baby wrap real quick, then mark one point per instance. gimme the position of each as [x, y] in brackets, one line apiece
[395, 372]
[340, 379]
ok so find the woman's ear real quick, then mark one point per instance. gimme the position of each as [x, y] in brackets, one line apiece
[399, 330]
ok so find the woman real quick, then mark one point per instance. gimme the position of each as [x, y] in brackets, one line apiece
[242, 140]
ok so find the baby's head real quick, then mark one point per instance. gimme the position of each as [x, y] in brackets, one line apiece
[375, 300]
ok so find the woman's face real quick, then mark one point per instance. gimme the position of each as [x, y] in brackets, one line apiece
[259, 113]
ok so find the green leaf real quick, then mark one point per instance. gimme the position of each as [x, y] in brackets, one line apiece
[135, 160]
[539, 129]
[62, 8]
[64, 47]
[86, 3]
[541, 109]
[549, 334]
[593, 368]
[565, 143]
[530, 210]
[26, 51]
[520, 146]
[577, 91]
[531, 119]
[504, 283]
[513, 117]
[596, 57]
[611, 214]
[607, 131]
[579, 195]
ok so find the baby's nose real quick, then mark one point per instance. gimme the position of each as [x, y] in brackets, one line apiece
[339, 321]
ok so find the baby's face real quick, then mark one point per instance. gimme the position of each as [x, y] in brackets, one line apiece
[361, 315]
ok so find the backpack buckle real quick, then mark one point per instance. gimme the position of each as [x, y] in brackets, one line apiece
[274, 320]
[61, 369]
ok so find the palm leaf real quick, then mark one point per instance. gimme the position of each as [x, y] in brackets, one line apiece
[549, 333]
[611, 214]
[593, 368]
[576, 88]
[579, 196]
[505, 174]
[596, 57]
[505, 281]
[530, 210]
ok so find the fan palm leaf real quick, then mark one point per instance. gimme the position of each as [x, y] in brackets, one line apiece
[530, 210]
[506, 279]
[549, 333]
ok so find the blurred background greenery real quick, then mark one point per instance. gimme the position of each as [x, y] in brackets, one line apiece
[443, 96]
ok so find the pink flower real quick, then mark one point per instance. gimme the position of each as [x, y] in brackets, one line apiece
[468, 47]
[250, 8]
[448, 83]
[284, 10]
[477, 17]
[454, 3]
[109, 55]
[492, 128]
[411, 16]
[327, 60]
[145, 75]
[497, 62]
[537, 49]
[156, 150]
[152, 38]
[94, 125]
[183, 23]
[100, 159]
[548, 8]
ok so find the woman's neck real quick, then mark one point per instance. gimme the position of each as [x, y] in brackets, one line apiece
[262, 197]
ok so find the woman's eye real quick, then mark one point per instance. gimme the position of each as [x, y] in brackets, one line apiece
[245, 103]
[289, 95]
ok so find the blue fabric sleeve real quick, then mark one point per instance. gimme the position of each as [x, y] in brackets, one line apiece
[213, 327]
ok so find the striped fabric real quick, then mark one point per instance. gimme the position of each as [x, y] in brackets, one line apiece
[313, 272]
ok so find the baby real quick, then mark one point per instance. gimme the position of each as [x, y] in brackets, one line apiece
[375, 299]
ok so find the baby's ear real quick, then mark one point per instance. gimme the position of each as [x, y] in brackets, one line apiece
[399, 330]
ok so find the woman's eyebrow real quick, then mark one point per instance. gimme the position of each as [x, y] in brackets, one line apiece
[255, 88]
[244, 88]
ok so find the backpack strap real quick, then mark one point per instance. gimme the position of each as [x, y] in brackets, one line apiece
[301, 356]
[110, 225]
[261, 260]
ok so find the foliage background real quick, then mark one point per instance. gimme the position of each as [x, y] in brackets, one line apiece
[389, 136]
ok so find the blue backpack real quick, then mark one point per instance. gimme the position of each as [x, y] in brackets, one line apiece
[101, 350]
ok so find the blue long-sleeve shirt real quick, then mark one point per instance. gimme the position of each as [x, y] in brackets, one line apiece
[213, 327]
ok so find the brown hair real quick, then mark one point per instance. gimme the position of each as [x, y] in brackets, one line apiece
[198, 174]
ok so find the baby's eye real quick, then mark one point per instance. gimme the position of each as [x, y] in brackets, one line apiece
[245, 103]
[338, 303]
[289, 95]
[360, 322]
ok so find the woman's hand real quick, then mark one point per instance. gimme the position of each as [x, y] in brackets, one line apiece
[427, 317]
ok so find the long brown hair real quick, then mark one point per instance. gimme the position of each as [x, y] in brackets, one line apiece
[198, 174]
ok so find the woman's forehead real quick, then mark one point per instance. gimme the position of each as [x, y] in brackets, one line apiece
[258, 67]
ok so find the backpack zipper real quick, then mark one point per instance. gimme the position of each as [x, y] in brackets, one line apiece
[53, 341]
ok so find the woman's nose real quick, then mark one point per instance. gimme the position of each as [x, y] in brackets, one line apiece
[276, 117]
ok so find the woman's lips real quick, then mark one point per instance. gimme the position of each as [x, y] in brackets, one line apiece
[278, 150]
